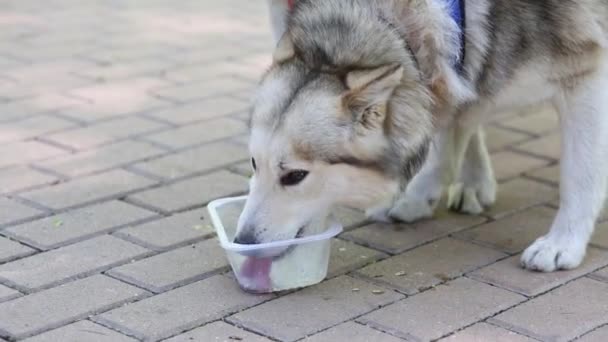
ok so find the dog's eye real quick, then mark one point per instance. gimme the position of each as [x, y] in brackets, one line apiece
[293, 177]
[253, 164]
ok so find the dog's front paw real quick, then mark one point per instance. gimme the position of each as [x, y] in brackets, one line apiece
[547, 254]
[473, 200]
[409, 210]
[380, 215]
[414, 206]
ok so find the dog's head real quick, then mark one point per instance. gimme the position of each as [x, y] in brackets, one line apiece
[330, 128]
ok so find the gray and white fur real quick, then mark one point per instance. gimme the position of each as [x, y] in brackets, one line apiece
[364, 101]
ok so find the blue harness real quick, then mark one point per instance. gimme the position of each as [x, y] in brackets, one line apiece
[458, 13]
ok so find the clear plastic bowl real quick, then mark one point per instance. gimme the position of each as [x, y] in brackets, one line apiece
[270, 267]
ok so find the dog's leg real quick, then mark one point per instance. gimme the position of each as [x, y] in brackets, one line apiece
[584, 169]
[424, 191]
[459, 157]
[474, 186]
[279, 9]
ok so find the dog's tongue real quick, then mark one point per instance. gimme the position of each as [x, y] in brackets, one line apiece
[257, 270]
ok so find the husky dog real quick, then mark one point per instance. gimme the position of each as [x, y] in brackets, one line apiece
[379, 105]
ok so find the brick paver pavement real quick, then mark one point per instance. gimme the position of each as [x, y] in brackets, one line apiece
[120, 120]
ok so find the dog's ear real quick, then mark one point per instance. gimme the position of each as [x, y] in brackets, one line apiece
[285, 49]
[369, 91]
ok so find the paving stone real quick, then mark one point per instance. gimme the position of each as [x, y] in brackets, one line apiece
[598, 335]
[192, 192]
[221, 70]
[59, 265]
[347, 256]
[31, 127]
[244, 115]
[177, 229]
[547, 146]
[549, 174]
[562, 314]
[26, 107]
[84, 190]
[199, 90]
[543, 120]
[52, 102]
[21, 109]
[101, 159]
[12, 211]
[82, 331]
[600, 237]
[313, 309]
[436, 313]
[128, 52]
[429, 265]
[483, 332]
[181, 309]
[47, 75]
[25, 152]
[174, 268]
[243, 169]
[118, 71]
[41, 54]
[35, 313]
[195, 160]
[245, 94]
[105, 132]
[509, 164]
[352, 332]
[6, 293]
[509, 275]
[10, 250]
[242, 139]
[22, 177]
[219, 332]
[116, 98]
[349, 217]
[498, 139]
[196, 55]
[71, 226]
[201, 110]
[519, 194]
[199, 133]
[6, 62]
[397, 238]
[10, 90]
[601, 274]
[514, 233]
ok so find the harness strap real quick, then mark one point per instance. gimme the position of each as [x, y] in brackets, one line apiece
[458, 13]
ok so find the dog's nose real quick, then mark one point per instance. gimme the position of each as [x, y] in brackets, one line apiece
[246, 239]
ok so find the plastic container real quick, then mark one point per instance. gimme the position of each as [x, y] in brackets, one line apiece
[277, 265]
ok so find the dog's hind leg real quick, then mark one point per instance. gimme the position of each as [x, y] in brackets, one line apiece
[584, 171]
[474, 185]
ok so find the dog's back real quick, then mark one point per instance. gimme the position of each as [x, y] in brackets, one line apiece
[502, 36]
